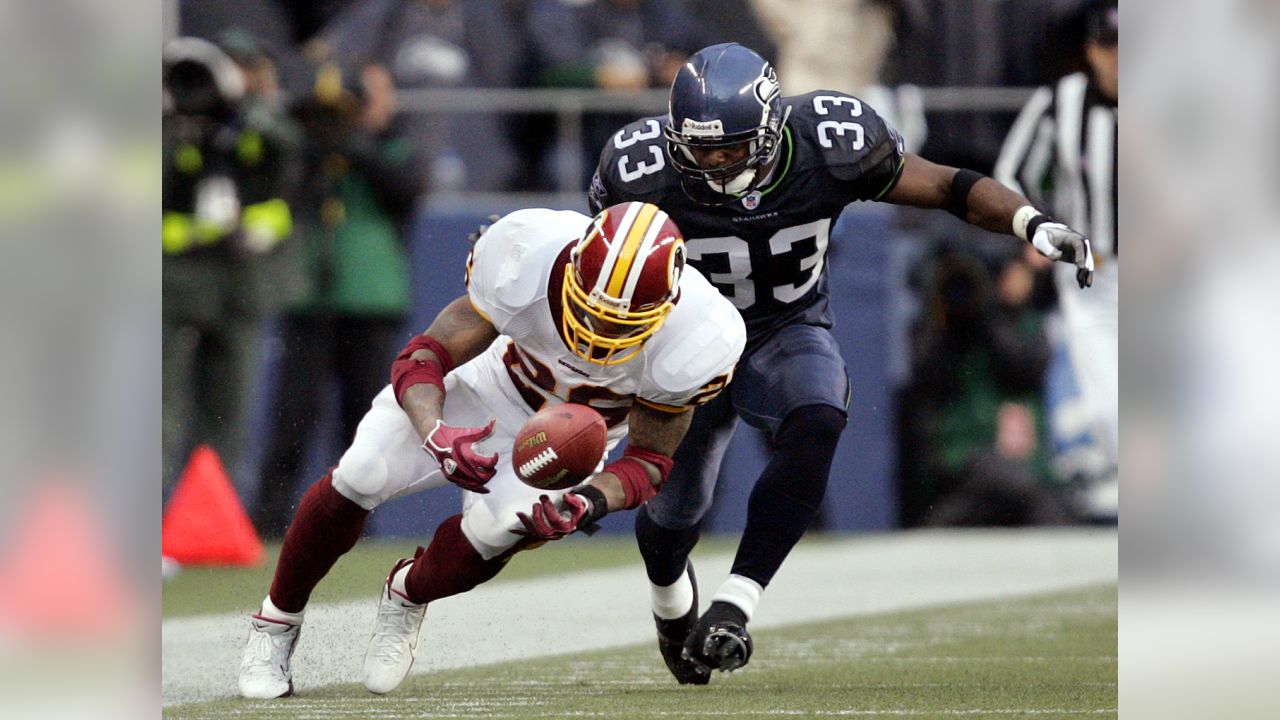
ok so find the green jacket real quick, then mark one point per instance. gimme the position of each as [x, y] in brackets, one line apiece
[966, 421]
[963, 377]
[354, 259]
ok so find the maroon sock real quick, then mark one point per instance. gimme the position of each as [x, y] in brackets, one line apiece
[450, 565]
[324, 528]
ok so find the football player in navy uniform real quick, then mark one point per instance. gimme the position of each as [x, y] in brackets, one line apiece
[755, 181]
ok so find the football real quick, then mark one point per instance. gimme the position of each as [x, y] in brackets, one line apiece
[559, 446]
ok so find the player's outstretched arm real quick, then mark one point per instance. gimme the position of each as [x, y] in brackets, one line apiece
[981, 201]
[457, 335]
[653, 437]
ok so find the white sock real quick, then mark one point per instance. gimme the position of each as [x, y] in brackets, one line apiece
[674, 600]
[271, 612]
[741, 591]
[400, 591]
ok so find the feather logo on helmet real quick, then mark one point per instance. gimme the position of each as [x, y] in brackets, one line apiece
[766, 87]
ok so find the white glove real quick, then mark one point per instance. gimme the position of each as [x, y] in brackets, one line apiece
[1059, 242]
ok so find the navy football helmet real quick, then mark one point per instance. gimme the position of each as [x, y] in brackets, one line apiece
[724, 95]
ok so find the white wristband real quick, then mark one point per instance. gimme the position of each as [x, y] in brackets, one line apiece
[1021, 219]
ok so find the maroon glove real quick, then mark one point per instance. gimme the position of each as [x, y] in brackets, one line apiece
[454, 449]
[547, 522]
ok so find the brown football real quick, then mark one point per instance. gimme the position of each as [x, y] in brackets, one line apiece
[559, 447]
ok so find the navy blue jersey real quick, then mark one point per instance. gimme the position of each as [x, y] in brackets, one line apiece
[766, 251]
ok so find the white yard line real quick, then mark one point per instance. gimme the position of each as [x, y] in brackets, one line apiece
[589, 610]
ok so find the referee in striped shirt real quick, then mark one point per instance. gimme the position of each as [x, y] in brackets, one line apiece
[1061, 154]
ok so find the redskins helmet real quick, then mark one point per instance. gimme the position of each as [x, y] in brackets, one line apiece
[621, 282]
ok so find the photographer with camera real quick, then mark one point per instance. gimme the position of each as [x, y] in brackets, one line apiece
[974, 414]
[361, 181]
[228, 164]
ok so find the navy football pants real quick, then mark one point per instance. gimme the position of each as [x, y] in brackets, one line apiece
[793, 386]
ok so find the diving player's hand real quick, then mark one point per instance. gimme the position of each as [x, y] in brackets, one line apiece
[474, 236]
[548, 522]
[454, 449]
[1059, 242]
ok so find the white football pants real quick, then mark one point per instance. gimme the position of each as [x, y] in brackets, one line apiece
[386, 459]
[1091, 326]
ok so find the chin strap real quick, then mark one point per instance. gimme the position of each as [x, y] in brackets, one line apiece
[745, 181]
[736, 187]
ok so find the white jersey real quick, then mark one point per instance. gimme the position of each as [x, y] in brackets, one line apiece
[514, 279]
[514, 276]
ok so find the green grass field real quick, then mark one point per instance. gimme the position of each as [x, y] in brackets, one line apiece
[1045, 656]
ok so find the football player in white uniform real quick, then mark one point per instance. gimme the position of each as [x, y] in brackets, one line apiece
[559, 308]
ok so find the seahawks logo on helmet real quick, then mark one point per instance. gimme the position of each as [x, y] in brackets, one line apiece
[767, 88]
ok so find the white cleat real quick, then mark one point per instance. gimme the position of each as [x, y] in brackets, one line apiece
[395, 638]
[265, 671]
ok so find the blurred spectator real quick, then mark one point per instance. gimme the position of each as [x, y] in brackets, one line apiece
[968, 43]
[361, 184]
[1035, 58]
[843, 45]
[228, 156]
[269, 24]
[265, 111]
[441, 44]
[829, 44]
[605, 44]
[310, 17]
[207, 18]
[735, 21]
[1061, 154]
[280, 23]
[974, 414]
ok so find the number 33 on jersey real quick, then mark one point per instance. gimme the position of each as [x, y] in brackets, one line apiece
[766, 250]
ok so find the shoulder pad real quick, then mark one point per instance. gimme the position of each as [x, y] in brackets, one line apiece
[700, 341]
[510, 264]
[843, 133]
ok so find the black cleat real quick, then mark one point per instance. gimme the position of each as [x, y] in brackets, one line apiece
[671, 638]
[720, 640]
